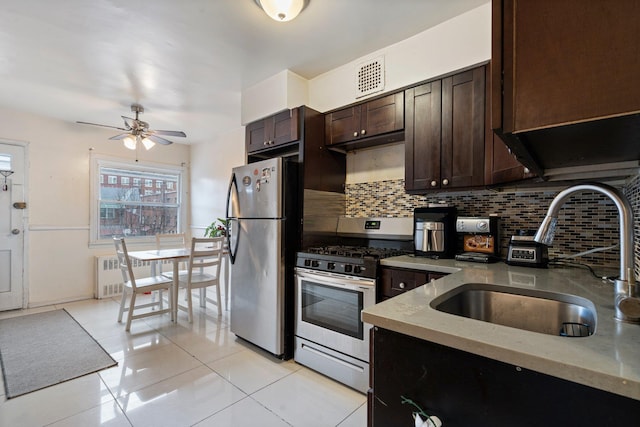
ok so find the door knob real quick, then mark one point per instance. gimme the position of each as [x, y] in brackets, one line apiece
[15, 231]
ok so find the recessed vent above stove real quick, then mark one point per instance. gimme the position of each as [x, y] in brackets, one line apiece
[370, 77]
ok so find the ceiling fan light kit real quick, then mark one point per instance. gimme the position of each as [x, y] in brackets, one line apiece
[282, 10]
[132, 141]
[137, 131]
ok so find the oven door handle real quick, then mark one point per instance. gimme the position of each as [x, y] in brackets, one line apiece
[335, 279]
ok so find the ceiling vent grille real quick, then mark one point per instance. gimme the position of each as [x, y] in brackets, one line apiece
[370, 77]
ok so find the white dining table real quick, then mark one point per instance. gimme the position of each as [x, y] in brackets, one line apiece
[177, 255]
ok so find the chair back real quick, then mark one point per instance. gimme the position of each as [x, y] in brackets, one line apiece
[205, 252]
[124, 262]
[169, 241]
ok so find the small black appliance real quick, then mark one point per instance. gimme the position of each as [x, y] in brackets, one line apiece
[434, 231]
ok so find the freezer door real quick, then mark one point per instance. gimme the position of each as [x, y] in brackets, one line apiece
[258, 190]
[257, 284]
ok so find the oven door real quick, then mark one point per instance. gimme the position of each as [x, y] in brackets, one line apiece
[328, 311]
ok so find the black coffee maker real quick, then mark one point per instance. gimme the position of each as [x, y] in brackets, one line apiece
[434, 231]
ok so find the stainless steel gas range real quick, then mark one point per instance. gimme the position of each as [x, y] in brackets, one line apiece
[334, 284]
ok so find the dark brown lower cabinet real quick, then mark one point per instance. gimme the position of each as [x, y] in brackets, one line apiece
[464, 389]
[396, 281]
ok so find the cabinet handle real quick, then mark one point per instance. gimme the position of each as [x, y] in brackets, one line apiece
[362, 132]
[265, 143]
[434, 183]
[526, 170]
[401, 285]
[445, 181]
[355, 133]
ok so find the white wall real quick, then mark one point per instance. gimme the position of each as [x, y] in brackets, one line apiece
[59, 261]
[455, 44]
[211, 165]
[285, 90]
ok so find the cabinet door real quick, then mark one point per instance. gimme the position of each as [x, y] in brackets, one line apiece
[372, 118]
[342, 125]
[568, 61]
[422, 136]
[275, 130]
[501, 165]
[463, 117]
[398, 281]
[284, 127]
[382, 115]
[256, 136]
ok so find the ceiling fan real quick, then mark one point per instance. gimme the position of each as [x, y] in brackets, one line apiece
[138, 131]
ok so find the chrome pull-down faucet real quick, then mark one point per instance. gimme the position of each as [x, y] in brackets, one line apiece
[626, 292]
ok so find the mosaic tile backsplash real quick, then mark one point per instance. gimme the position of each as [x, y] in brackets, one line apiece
[588, 220]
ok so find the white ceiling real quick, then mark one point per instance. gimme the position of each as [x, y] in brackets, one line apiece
[185, 61]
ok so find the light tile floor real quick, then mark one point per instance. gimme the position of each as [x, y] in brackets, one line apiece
[182, 374]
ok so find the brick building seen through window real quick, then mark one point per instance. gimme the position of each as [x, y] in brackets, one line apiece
[137, 203]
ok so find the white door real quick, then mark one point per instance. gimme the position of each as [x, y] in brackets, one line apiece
[12, 225]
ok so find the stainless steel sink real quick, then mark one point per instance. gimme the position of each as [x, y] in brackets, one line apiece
[529, 309]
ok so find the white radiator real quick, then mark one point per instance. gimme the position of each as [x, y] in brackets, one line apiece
[109, 276]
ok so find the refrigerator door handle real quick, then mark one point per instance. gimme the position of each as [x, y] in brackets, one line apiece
[233, 187]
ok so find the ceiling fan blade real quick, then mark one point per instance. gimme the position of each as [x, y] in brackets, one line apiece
[168, 133]
[128, 122]
[121, 136]
[104, 126]
[157, 139]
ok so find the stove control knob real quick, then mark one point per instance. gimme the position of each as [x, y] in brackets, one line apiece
[357, 269]
[315, 263]
[331, 265]
[348, 268]
[307, 262]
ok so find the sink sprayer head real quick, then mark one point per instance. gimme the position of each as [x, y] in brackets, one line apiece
[547, 230]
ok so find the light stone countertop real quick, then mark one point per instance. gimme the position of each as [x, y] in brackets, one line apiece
[608, 360]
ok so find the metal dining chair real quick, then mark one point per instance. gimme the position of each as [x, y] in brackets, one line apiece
[203, 271]
[135, 287]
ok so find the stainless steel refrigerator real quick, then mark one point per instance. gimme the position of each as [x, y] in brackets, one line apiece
[261, 218]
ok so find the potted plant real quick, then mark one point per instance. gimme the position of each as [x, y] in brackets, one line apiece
[217, 228]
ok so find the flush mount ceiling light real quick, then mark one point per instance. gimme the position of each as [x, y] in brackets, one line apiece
[282, 10]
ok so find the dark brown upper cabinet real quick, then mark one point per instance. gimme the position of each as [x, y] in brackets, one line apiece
[366, 124]
[565, 74]
[501, 165]
[272, 131]
[444, 133]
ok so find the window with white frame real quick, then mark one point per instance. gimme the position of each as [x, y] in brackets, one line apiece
[5, 162]
[112, 179]
[125, 210]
